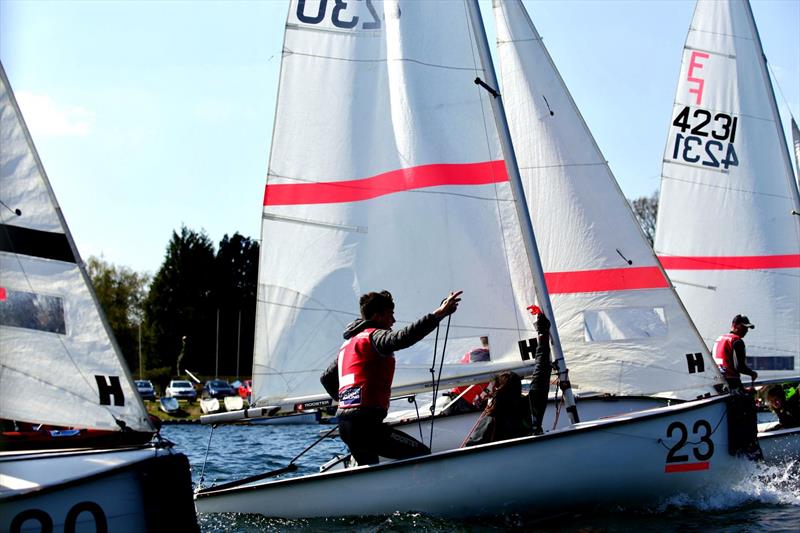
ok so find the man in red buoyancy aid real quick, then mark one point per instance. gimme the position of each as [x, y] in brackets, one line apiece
[730, 354]
[366, 369]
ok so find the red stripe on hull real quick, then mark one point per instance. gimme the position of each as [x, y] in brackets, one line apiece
[734, 262]
[405, 179]
[610, 279]
[687, 467]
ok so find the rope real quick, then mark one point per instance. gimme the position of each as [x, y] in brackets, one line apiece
[439, 377]
[205, 459]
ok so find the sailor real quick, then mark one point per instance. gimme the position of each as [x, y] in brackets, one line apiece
[366, 370]
[542, 369]
[785, 403]
[507, 416]
[471, 397]
[730, 355]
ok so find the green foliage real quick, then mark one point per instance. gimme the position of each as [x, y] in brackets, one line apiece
[180, 303]
[160, 377]
[646, 210]
[121, 292]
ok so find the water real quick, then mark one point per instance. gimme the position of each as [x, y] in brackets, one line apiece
[769, 503]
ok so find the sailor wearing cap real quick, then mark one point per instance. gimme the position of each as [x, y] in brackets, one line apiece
[729, 353]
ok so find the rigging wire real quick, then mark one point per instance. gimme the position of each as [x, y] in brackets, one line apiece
[439, 377]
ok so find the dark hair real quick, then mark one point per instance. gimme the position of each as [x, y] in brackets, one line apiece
[375, 302]
[776, 391]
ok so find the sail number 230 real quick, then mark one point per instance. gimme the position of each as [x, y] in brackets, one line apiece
[340, 14]
[697, 147]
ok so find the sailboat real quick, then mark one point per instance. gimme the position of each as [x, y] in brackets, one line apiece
[392, 168]
[75, 450]
[728, 229]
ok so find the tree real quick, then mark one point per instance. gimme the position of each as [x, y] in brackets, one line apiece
[121, 292]
[646, 210]
[235, 288]
[180, 304]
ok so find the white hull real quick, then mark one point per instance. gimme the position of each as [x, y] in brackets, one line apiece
[133, 489]
[613, 461]
[780, 445]
[451, 430]
[299, 418]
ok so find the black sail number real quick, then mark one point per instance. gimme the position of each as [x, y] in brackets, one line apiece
[341, 16]
[702, 448]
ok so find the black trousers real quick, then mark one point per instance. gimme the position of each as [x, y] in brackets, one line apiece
[368, 437]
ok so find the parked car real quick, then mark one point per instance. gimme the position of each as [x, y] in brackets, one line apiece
[181, 389]
[218, 388]
[246, 389]
[146, 389]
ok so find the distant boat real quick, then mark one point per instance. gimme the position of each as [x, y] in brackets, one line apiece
[63, 381]
[209, 405]
[233, 403]
[169, 405]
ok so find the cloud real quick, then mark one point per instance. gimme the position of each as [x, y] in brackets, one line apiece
[46, 117]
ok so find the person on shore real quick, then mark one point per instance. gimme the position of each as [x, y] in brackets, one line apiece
[730, 354]
[471, 397]
[366, 369]
[785, 406]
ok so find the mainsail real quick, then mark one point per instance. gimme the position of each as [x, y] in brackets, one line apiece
[623, 328]
[726, 232]
[59, 363]
[796, 143]
[385, 173]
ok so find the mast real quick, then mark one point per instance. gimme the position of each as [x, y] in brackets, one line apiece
[517, 190]
[793, 187]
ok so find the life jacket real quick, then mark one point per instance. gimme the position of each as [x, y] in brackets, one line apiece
[472, 395]
[365, 376]
[723, 354]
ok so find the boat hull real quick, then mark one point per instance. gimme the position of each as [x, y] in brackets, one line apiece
[630, 459]
[780, 445]
[134, 489]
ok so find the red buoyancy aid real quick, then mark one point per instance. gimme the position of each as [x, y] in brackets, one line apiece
[723, 354]
[365, 376]
[473, 391]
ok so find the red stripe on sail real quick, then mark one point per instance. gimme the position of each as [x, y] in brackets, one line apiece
[405, 179]
[687, 467]
[734, 262]
[610, 279]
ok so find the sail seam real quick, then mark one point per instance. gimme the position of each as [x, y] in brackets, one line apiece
[327, 225]
[382, 60]
[734, 189]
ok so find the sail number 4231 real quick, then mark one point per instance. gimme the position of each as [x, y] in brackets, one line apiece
[710, 140]
[701, 445]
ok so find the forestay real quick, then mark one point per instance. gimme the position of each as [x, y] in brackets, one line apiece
[726, 233]
[59, 364]
[622, 326]
[385, 173]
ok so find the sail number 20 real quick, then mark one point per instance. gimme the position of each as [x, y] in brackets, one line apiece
[697, 147]
[340, 15]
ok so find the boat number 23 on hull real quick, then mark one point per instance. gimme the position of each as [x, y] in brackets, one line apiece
[689, 454]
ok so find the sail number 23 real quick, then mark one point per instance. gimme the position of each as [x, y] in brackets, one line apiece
[710, 140]
[701, 445]
[341, 16]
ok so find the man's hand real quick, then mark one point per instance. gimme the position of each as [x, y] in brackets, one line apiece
[449, 305]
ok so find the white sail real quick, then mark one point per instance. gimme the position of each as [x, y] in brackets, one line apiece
[726, 233]
[385, 173]
[796, 143]
[622, 326]
[59, 364]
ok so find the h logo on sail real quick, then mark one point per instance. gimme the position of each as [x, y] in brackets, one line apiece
[106, 388]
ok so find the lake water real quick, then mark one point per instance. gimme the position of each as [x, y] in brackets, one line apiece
[770, 503]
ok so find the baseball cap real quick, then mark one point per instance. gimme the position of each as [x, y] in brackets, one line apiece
[743, 321]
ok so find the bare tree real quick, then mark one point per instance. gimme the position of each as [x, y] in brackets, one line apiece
[646, 210]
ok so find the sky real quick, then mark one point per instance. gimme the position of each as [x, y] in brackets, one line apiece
[150, 115]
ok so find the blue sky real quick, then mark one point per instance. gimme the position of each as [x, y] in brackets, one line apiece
[149, 115]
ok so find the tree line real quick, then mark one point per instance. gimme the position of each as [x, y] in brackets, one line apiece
[199, 307]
